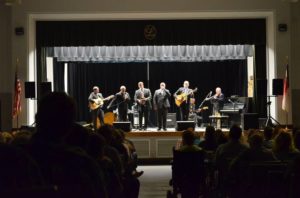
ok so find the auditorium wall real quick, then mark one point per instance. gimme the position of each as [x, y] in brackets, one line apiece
[284, 12]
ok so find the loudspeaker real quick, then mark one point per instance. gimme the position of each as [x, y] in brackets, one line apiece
[19, 31]
[45, 88]
[29, 89]
[184, 125]
[250, 121]
[282, 27]
[125, 126]
[277, 85]
[261, 87]
[171, 120]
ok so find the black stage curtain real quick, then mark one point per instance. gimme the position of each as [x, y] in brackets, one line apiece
[230, 75]
[165, 32]
[108, 76]
[58, 75]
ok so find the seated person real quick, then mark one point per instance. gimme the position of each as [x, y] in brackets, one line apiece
[188, 145]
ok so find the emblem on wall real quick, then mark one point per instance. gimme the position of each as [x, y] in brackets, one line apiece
[150, 32]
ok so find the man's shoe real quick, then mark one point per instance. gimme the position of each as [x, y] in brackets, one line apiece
[159, 129]
[165, 129]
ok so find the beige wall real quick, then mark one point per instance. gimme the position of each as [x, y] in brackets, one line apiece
[295, 62]
[5, 67]
[282, 12]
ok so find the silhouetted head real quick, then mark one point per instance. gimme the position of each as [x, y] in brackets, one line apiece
[256, 140]
[55, 115]
[188, 137]
[283, 142]
[235, 132]
[268, 133]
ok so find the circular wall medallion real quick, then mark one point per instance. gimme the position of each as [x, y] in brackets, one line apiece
[150, 32]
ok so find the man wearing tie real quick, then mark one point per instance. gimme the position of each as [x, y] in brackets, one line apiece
[161, 104]
[185, 105]
[142, 97]
[121, 100]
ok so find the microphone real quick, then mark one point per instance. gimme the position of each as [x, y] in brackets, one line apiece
[210, 93]
[230, 101]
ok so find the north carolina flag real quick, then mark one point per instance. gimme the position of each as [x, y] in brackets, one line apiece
[285, 99]
[17, 97]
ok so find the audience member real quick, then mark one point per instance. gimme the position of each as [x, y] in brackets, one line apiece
[268, 141]
[284, 148]
[225, 153]
[75, 173]
[209, 142]
[188, 138]
[221, 138]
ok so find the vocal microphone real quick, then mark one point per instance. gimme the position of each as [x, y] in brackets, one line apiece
[210, 93]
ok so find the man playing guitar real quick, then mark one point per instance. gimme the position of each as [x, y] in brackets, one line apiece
[96, 101]
[182, 99]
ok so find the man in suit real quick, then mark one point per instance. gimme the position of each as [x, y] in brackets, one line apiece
[217, 101]
[98, 112]
[121, 100]
[161, 104]
[142, 97]
[185, 105]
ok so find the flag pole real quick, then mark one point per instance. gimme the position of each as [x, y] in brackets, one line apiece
[286, 112]
[17, 65]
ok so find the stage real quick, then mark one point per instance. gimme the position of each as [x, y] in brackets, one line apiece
[158, 144]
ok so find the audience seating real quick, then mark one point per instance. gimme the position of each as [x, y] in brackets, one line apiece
[187, 174]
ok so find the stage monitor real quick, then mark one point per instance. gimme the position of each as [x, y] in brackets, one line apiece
[125, 126]
[184, 125]
[171, 120]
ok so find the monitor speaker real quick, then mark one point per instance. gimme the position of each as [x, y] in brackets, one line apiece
[45, 88]
[171, 120]
[250, 121]
[29, 89]
[125, 126]
[184, 125]
[277, 85]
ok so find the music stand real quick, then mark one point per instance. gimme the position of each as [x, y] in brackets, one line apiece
[269, 117]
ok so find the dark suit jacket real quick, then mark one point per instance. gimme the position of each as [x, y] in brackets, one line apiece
[120, 101]
[161, 99]
[218, 102]
[147, 94]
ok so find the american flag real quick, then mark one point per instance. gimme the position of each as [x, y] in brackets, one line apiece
[285, 99]
[17, 97]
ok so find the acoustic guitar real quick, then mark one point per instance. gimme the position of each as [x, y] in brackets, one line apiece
[96, 103]
[201, 109]
[183, 97]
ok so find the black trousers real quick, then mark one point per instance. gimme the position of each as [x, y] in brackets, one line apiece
[143, 113]
[122, 114]
[97, 113]
[184, 111]
[162, 117]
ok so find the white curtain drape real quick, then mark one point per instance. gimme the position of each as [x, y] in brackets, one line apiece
[178, 53]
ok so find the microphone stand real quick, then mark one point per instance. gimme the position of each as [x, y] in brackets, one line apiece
[204, 100]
